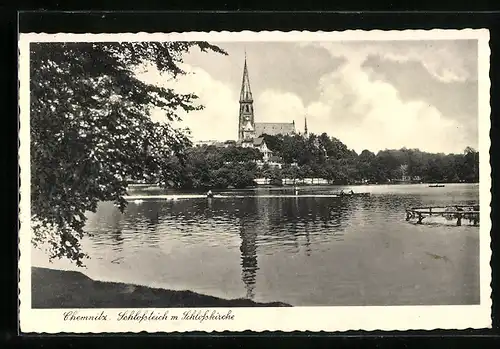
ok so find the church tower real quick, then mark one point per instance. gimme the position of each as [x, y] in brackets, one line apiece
[246, 124]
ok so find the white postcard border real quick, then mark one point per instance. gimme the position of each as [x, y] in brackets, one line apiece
[265, 319]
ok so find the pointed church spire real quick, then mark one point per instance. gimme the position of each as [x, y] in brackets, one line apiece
[246, 124]
[305, 125]
[246, 93]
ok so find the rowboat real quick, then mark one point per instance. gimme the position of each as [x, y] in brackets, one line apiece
[353, 194]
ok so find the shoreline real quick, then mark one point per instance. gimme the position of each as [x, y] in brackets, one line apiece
[53, 288]
[143, 186]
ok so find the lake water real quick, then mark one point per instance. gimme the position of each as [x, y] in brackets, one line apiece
[309, 250]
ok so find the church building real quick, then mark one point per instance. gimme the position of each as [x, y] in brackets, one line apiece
[249, 131]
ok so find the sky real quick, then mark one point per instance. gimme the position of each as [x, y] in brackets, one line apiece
[370, 95]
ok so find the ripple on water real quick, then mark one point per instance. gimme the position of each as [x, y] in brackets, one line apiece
[304, 251]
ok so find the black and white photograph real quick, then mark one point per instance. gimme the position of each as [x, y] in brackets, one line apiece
[252, 181]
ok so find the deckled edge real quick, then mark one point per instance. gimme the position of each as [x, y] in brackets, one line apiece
[19, 182]
[272, 35]
[487, 39]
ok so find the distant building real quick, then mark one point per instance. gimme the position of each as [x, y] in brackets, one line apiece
[218, 144]
[204, 143]
[260, 144]
[408, 179]
[257, 143]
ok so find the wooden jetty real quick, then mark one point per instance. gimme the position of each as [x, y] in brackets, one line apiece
[458, 212]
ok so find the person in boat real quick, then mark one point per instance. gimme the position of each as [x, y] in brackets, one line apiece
[210, 194]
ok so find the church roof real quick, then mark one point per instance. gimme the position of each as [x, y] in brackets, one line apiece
[258, 141]
[274, 128]
[241, 141]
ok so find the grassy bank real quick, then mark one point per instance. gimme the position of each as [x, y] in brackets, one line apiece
[70, 289]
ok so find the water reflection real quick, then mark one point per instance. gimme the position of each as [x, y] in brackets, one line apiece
[249, 265]
[240, 240]
[267, 224]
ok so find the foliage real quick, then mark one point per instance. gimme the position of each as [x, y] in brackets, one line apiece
[322, 157]
[327, 157]
[91, 129]
[212, 167]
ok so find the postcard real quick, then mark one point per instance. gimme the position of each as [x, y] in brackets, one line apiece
[262, 181]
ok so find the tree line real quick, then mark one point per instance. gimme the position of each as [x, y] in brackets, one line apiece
[210, 167]
[314, 157]
[327, 157]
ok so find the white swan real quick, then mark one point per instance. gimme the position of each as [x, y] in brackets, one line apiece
[137, 202]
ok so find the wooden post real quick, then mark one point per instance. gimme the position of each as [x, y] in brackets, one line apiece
[420, 217]
[471, 213]
[475, 219]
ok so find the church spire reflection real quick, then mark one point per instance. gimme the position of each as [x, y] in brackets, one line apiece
[249, 266]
